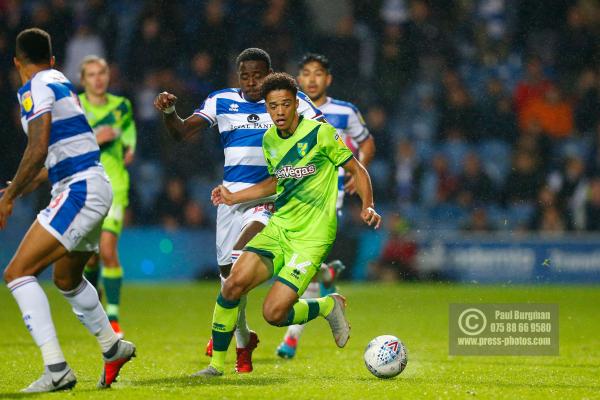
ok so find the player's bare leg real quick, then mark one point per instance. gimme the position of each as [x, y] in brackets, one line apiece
[249, 271]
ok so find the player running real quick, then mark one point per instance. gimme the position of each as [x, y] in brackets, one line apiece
[302, 159]
[314, 79]
[242, 119]
[61, 147]
[111, 117]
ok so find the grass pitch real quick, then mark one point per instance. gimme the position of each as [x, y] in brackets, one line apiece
[170, 325]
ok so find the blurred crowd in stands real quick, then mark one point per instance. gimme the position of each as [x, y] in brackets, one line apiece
[486, 113]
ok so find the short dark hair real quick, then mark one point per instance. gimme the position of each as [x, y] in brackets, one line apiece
[253, 54]
[315, 57]
[34, 46]
[278, 81]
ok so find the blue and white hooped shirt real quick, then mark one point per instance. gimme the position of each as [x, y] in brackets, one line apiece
[72, 148]
[242, 125]
[350, 124]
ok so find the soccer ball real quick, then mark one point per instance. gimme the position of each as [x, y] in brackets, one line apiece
[385, 356]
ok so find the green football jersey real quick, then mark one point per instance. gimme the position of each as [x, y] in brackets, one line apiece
[305, 165]
[117, 113]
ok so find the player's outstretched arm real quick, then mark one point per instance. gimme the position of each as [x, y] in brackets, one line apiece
[31, 164]
[366, 153]
[222, 195]
[365, 191]
[179, 129]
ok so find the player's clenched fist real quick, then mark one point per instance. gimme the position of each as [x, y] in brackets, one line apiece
[165, 101]
[370, 217]
[221, 195]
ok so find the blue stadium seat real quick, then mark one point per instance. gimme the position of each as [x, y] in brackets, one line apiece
[455, 151]
[496, 158]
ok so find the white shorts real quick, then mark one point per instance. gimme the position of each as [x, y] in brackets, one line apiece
[230, 223]
[75, 213]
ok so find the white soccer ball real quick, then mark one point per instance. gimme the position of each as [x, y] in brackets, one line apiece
[385, 356]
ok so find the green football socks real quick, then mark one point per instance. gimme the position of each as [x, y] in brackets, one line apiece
[308, 309]
[224, 320]
[112, 278]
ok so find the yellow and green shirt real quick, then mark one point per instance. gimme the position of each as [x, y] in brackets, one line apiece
[305, 165]
[117, 113]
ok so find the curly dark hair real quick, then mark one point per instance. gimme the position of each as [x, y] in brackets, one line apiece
[253, 54]
[278, 81]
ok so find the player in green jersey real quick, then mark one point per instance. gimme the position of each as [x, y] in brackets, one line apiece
[302, 158]
[111, 117]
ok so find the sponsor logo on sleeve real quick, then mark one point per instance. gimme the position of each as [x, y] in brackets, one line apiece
[27, 101]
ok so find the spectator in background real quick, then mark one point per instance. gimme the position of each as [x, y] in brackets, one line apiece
[194, 216]
[439, 184]
[409, 171]
[572, 181]
[593, 155]
[474, 188]
[587, 107]
[478, 221]
[546, 200]
[425, 34]
[525, 179]
[170, 205]
[200, 84]
[552, 221]
[214, 31]
[497, 119]
[577, 46]
[592, 206]
[82, 44]
[551, 112]
[152, 48]
[399, 254]
[533, 86]
[460, 114]
[395, 64]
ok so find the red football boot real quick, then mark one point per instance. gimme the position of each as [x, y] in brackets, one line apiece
[243, 363]
[113, 365]
[209, 347]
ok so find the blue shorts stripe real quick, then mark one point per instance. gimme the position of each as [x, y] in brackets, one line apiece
[340, 183]
[245, 173]
[71, 166]
[69, 127]
[71, 207]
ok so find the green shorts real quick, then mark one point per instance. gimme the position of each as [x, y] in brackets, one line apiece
[113, 222]
[295, 262]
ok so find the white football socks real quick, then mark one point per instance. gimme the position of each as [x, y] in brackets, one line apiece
[36, 314]
[87, 307]
[313, 291]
